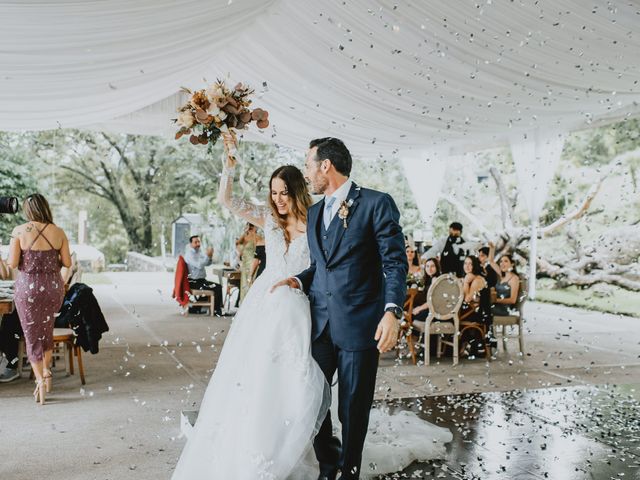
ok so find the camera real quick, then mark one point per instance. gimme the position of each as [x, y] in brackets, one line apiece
[8, 205]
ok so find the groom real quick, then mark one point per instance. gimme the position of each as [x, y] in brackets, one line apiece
[356, 285]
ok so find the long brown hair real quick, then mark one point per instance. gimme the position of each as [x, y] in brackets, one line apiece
[428, 280]
[36, 209]
[297, 192]
[514, 267]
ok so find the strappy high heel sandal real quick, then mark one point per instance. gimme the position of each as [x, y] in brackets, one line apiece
[47, 378]
[38, 393]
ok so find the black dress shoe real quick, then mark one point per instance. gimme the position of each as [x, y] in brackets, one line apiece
[327, 477]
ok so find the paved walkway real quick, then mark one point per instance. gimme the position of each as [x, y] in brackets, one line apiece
[154, 363]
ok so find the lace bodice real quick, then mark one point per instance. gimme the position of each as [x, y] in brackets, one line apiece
[281, 261]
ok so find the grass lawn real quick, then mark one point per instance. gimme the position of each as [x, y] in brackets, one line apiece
[621, 301]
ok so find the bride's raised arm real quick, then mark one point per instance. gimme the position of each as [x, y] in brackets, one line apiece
[252, 213]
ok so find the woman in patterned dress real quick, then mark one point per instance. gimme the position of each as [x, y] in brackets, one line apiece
[247, 249]
[39, 249]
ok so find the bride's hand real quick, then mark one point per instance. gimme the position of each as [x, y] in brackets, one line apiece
[230, 146]
[287, 282]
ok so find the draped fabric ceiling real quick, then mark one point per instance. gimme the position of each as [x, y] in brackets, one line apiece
[385, 76]
[421, 80]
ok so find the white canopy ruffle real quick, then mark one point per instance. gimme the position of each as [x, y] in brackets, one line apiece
[384, 76]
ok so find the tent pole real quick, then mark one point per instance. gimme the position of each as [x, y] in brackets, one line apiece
[533, 258]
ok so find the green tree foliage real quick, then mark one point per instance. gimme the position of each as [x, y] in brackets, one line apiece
[598, 146]
[145, 181]
[16, 177]
[387, 175]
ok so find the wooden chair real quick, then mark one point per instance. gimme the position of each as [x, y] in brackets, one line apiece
[444, 299]
[406, 325]
[233, 283]
[504, 321]
[61, 337]
[202, 298]
[469, 324]
[66, 338]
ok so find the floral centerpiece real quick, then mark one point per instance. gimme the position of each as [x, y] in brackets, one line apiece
[217, 109]
[416, 280]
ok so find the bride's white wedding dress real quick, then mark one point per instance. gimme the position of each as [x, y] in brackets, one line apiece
[267, 396]
[263, 403]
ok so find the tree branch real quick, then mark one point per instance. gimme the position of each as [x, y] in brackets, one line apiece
[574, 242]
[92, 191]
[506, 204]
[87, 178]
[470, 216]
[566, 276]
[583, 206]
[587, 280]
[125, 159]
[152, 169]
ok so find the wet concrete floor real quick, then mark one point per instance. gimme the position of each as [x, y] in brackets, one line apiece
[585, 432]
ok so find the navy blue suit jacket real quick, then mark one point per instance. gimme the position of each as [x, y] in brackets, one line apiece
[364, 269]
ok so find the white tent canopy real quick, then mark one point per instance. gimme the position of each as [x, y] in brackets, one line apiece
[425, 174]
[390, 78]
[384, 76]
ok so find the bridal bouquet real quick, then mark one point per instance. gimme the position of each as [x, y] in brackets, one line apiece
[217, 109]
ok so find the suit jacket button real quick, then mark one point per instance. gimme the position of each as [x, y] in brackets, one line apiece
[328, 294]
[324, 237]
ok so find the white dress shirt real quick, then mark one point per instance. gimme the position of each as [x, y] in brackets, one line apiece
[340, 195]
[196, 261]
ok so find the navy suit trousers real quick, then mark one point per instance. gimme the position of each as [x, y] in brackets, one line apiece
[356, 385]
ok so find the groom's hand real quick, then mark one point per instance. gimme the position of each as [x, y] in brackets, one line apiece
[387, 332]
[287, 282]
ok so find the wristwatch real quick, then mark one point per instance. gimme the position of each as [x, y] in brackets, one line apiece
[397, 311]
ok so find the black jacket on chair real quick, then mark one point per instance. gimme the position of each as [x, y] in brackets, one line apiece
[80, 311]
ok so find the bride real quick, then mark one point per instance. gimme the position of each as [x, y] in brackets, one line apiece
[267, 396]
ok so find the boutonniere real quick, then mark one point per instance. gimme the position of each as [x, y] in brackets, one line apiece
[343, 212]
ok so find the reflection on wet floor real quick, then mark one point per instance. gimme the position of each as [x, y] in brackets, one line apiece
[563, 433]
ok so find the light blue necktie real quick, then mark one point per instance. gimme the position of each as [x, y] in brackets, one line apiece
[328, 204]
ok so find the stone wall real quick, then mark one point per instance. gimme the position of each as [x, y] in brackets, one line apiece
[137, 262]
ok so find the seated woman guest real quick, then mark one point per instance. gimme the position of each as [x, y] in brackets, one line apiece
[246, 247]
[477, 303]
[474, 282]
[508, 284]
[432, 271]
[39, 249]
